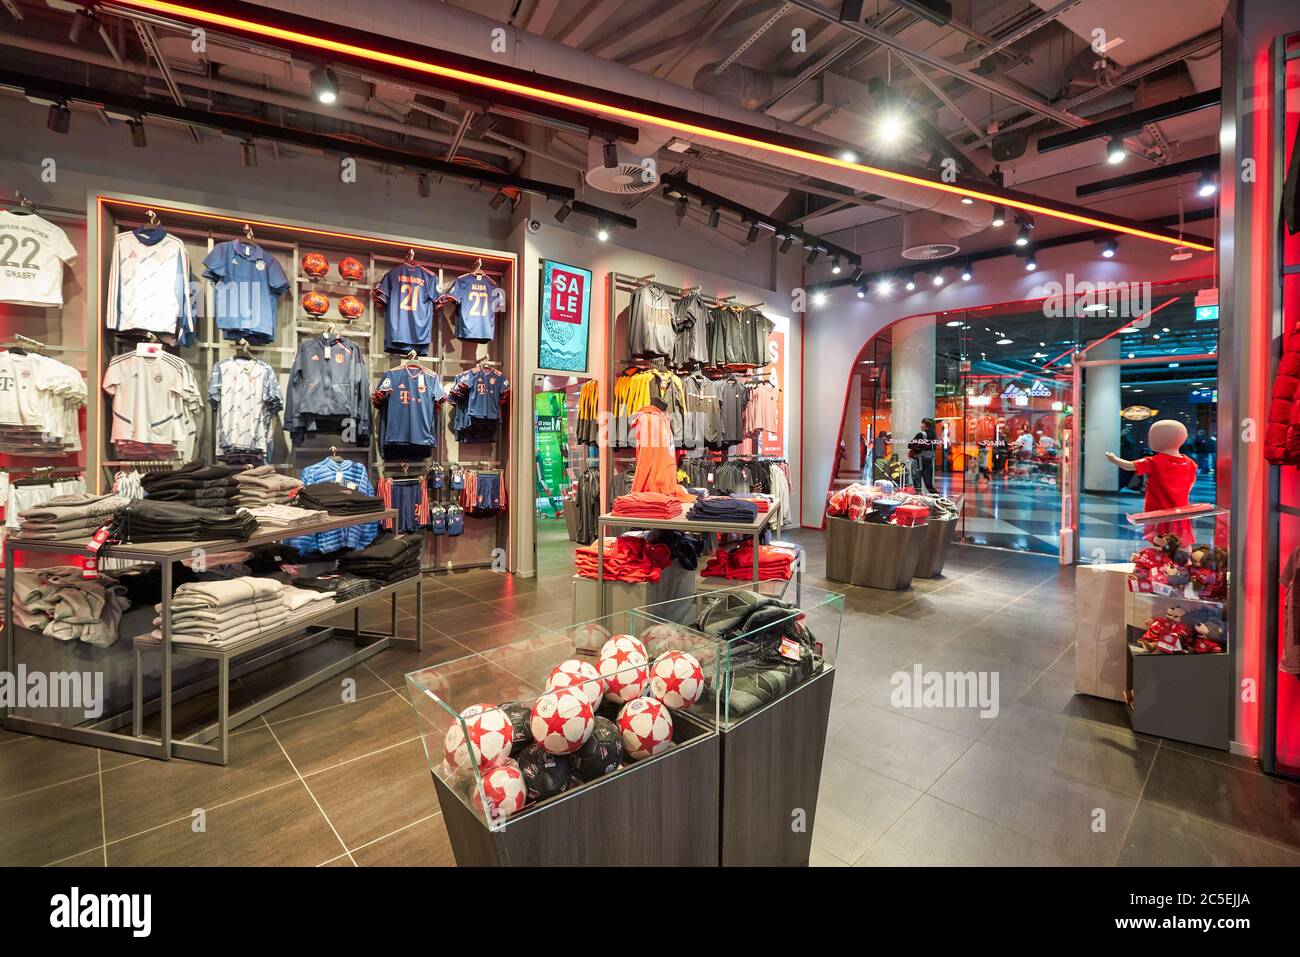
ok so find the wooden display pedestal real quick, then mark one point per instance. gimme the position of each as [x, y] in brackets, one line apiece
[938, 539]
[1182, 697]
[1100, 630]
[662, 812]
[772, 767]
[872, 554]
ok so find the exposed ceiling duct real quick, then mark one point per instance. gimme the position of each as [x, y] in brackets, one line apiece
[926, 237]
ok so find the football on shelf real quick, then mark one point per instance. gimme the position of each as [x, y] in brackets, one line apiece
[602, 753]
[352, 269]
[545, 774]
[519, 715]
[562, 720]
[626, 675]
[646, 726]
[580, 675]
[623, 643]
[315, 303]
[503, 792]
[677, 679]
[485, 738]
[589, 637]
[315, 265]
[350, 307]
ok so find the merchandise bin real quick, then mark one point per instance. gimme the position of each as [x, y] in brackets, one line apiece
[872, 554]
[773, 729]
[658, 810]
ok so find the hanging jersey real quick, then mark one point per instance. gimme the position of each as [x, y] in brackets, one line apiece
[147, 393]
[246, 396]
[248, 285]
[149, 284]
[487, 389]
[408, 294]
[32, 255]
[412, 395]
[479, 299]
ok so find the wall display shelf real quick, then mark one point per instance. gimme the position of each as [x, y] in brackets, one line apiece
[606, 805]
[307, 630]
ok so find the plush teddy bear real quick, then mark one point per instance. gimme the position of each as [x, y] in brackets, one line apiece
[1167, 634]
[1208, 572]
[1207, 630]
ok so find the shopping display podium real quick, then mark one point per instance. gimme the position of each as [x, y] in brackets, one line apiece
[874, 554]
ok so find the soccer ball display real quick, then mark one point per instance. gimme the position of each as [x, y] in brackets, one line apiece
[352, 269]
[489, 737]
[545, 774]
[626, 674]
[350, 307]
[562, 720]
[677, 679]
[663, 637]
[519, 715]
[589, 637]
[602, 753]
[647, 727]
[625, 644]
[580, 675]
[315, 265]
[503, 791]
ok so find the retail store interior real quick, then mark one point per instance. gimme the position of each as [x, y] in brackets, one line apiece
[604, 433]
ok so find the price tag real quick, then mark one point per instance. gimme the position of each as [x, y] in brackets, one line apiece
[790, 649]
[148, 349]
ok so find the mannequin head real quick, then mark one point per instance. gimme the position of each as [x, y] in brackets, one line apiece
[1167, 435]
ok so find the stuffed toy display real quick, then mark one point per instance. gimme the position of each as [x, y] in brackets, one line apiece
[1208, 572]
[1167, 634]
[1169, 474]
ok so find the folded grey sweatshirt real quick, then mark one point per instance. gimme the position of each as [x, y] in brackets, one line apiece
[64, 508]
[223, 594]
[265, 477]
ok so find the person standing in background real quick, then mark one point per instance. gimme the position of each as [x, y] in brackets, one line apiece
[921, 451]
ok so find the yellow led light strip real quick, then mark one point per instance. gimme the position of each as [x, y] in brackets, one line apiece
[433, 69]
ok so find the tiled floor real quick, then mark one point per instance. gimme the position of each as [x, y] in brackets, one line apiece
[1053, 779]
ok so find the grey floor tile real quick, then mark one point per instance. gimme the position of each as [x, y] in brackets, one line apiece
[1165, 837]
[423, 844]
[855, 806]
[40, 827]
[933, 833]
[376, 794]
[898, 747]
[319, 741]
[29, 763]
[1054, 693]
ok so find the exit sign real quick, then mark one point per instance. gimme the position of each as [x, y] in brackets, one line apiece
[1207, 313]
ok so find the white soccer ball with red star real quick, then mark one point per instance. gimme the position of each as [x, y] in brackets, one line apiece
[489, 737]
[503, 792]
[677, 679]
[626, 673]
[664, 637]
[624, 643]
[590, 637]
[579, 675]
[646, 726]
[562, 720]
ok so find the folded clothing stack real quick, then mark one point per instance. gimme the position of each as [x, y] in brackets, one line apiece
[203, 486]
[341, 585]
[285, 516]
[265, 486]
[389, 559]
[648, 505]
[774, 562]
[68, 518]
[224, 612]
[722, 508]
[303, 601]
[58, 602]
[150, 521]
[761, 502]
[337, 499]
[628, 558]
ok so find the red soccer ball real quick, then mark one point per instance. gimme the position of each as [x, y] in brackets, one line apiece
[677, 679]
[350, 307]
[315, 303]
[646, 726]
[315, 265]
[503, 793]
[562, 720]
[352, 269]
[579, 675]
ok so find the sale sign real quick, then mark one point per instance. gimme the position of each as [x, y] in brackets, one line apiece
[565, 316]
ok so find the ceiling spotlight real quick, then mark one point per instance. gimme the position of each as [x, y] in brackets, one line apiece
[910, 285]
[862, 292]
[813, 253]
[603, 233]
[1109, 249]
[938, 278]
[885, 287]
[715, 217]
[955, 324]
[849, 156]
[138, 139]
[752, 235]
[819, 299]
[248, 154]
[83, 21]
[1004, 341]
[999, 216]
[857, 275]
[1115, 151]
[324, 85]
[59, 117]
[497, 199]
[1022, 238]
[786, 243]
[967, 201]
[1205, 186]
[610, 154]
[889, 128]
[967, 273]
[563, 212]
[1180, 254]
[422, 188]
[835, 265]
[1031, 263]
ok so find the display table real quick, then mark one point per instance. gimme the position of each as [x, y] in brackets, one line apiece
[874, 554]
[1100, 631]
[256, 652]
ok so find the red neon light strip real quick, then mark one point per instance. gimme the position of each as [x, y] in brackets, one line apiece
[1114, 332]
[635, 116]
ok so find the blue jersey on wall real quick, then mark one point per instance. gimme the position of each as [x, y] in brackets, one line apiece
[248, 285]
[480, 300]
[408, 294]
[412, 393]
[350, 474]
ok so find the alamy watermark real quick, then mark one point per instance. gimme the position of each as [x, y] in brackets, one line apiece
[80, 690]
[946, 689]
[1081, 300]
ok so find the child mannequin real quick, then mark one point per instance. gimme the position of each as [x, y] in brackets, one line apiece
[1169, 474]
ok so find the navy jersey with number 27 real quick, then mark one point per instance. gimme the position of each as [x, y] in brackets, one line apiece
[480, 300]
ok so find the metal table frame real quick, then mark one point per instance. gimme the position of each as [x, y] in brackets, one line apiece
[681, 523]
[271, 645]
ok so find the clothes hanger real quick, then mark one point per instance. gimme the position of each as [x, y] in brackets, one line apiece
[23, 206]
[410, 257]
[244, 349]
[334, 456]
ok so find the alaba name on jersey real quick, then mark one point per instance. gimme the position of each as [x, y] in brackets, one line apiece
[32, 255]
[480, 299]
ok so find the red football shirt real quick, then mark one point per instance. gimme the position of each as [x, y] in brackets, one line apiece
[1169, 485]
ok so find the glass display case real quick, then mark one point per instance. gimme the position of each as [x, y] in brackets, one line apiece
[513, 730]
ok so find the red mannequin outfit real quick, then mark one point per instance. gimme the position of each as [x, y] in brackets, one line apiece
[1169, 485]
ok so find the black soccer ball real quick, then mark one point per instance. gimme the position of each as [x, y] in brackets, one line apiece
[519, 715]
[545, 774]
[602, 753]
